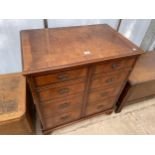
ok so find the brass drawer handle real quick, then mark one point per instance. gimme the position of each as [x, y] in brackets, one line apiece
[64, 91]
[63, 77]
[110, 80]
[65, 117]
[103, 94]
[114, 66]
[64, 105]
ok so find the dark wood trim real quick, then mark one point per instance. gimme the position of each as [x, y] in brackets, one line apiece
[35, 98]
[60, 70]
[86, 92]
[123, 98]
[52, 85]
[89, 62]
[122, 87]
[121, 101]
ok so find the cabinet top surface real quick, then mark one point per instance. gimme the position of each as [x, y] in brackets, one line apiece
[49, 49]
[144, 69]
[12, 105]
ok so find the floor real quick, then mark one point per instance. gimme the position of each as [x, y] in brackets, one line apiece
[136, 119]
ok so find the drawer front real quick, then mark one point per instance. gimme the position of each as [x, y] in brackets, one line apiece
[62, 106]
[59, 77]
[108, 81]
[62, 119]
[103, 94]
[51, 93]
[114, 65]
[100, 106]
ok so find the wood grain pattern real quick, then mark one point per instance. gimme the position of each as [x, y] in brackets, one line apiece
[76, 72]
[107, 112]
[64, 105]
[100, 94]
[62, 119]
[141, 83]
[100, 106]
[115, 65]
[14, 101]
[10, 86]
[142, 90]
[50, 49]
[144, 69]
[57, 92]
[109, 80]
[60, 76]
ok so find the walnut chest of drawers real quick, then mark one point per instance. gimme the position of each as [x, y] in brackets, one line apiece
[16, 105]
[75, 72]
[141, 82]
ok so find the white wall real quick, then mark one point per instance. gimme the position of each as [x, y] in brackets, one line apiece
[76, 22]
[134, 30]
[10, 52]
[148, 43]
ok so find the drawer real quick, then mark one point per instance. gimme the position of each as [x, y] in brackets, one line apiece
[59, 77]
[108, 81]
[114, 65]
[103, 93]
[60, 106]
[62, 119]
[58, 92]
[100, 106]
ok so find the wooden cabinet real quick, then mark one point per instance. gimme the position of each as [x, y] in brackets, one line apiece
[141, 82]
[76, 72]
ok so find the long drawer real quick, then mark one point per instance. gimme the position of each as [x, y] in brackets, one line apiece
[62, 119]
[59, 92]
[114, 65]
[102, 94]
[64, 105]
[51, 78]
[108, 81]
[100, 106]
